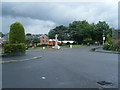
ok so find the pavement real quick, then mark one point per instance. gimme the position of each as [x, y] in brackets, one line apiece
[99, 49]
[64, 68]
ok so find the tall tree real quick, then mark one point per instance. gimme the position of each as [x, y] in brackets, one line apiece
[17, 33]
[102, 28]
[62, 32]
[79, 30]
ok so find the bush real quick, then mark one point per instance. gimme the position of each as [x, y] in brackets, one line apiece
[114, 46]
[11, 48]
[106, 46]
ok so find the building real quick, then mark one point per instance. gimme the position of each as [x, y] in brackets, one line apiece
[44, 40]
[52, 42]
[67, 42]
[116, 34]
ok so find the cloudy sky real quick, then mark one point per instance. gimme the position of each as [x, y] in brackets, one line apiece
[40, 17]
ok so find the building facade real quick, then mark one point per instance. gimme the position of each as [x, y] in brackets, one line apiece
[44, 40]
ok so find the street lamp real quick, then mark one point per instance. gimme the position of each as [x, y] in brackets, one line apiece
[103, 37]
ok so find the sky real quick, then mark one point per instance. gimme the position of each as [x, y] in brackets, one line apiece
[40, 17]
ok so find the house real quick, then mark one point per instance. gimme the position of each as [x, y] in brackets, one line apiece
[44, 40]
[4, 39]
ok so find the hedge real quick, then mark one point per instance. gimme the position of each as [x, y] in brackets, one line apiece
[12, 48]
[17, 33]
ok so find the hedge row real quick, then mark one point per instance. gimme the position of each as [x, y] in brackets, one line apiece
[11, 48]
[115, 46]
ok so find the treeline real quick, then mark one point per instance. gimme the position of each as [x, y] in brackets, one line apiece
[82, 31]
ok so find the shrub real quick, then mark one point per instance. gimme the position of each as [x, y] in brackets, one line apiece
[106, 46]
[11, 48]
[17, 33]
[114, 46]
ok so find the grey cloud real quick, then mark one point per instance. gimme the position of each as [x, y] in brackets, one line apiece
[30, 25]
[60, 13]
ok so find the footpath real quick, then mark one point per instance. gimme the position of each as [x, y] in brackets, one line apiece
[99, 49]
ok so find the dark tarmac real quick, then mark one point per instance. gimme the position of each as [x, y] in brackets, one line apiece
[64, 68]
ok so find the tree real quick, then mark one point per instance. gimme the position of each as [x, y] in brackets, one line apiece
[62, 32]
[28, 41]
[82, 31]
[102, 28]
[17, 33]
[79, 30]
[36, 41]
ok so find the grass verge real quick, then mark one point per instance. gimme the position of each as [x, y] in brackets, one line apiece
[13, 61]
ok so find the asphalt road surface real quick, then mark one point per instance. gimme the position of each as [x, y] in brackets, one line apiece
[64, 68]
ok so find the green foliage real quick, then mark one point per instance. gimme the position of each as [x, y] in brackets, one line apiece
[1, 34]
[36, 40]
[28, 41]
[114, 46]
[106, 46]
[16, 34]
[87, 40]
[109, 38]
[11, 48]
[62, 32]
[80, 30]
[100, 29]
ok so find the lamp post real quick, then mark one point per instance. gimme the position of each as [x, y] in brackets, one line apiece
[103, 37]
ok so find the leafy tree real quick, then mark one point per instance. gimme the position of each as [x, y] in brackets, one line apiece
[62, 32]
[36, 41]
[17, 33]
[28, 41]
[87, 40]
[79, 30]
[102, 28]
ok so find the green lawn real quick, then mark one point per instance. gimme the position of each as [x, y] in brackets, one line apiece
[79, 45]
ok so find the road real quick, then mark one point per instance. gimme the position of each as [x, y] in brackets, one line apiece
[64, 68]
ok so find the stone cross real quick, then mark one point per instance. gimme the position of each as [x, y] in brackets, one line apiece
[56, 41]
